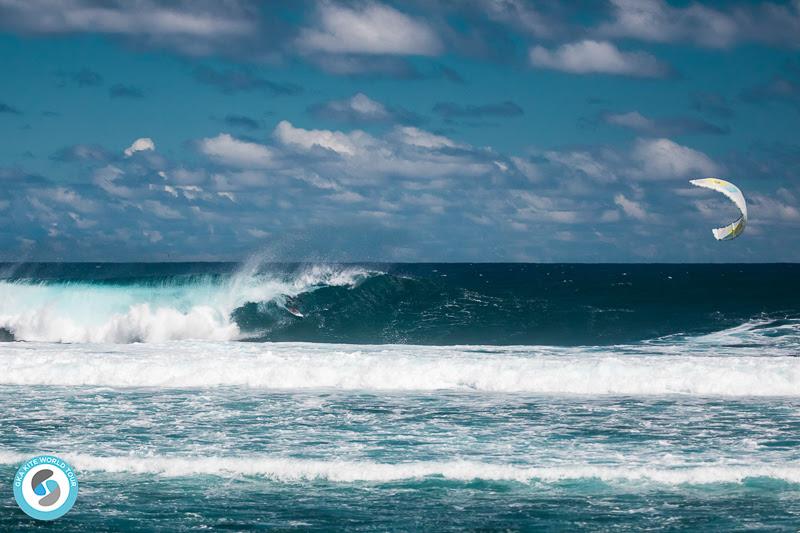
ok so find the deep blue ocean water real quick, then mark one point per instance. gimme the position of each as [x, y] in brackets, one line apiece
[407, 397]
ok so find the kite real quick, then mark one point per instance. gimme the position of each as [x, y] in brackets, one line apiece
[733, 230]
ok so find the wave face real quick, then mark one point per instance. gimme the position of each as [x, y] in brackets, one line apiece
[114, 306]
[497, 304]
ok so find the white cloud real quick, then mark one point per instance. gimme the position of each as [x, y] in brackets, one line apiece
[359, 108]
[106, 178]
[519, 14]
[583, 163]
[763, 206]
[161, 210]
[71, 198]
[80, 222]
[198, 27]
[656, 20]
[258, 233]
[633, 120]
[404, 151]
[664, 159]
[370, 28]
[342, 143]
[422, 138]
[347, 197]
[153, 235]
[231, 151]
[364, 105]
[140, 145]
[597, 57]
[769, 22]
[631, 208]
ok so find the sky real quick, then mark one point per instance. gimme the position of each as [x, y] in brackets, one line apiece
[459, 130]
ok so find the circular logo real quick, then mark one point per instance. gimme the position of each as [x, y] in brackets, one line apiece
[45, 487]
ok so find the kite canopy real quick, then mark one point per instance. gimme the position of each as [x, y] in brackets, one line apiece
[733, 230]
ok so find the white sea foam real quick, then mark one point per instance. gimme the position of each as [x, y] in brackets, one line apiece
[287, 469]
[537, 370]
[82, 312]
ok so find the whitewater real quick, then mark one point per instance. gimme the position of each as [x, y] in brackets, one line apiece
[446, 396]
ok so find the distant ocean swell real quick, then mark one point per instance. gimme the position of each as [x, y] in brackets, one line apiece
[390, 304]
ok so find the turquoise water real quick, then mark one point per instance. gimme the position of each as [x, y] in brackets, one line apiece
[191, 398]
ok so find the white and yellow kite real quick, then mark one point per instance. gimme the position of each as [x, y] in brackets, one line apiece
[733, 230]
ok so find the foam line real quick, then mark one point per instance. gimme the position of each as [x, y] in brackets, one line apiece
[286, 469]
[534, 370]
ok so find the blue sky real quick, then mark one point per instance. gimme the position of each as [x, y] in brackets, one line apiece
[482, 130]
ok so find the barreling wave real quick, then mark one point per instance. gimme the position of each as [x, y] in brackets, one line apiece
[398, 304]
[154, 310]
[288, 469]
[622, 370]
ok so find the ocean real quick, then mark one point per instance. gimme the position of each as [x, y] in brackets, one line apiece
[408, 397]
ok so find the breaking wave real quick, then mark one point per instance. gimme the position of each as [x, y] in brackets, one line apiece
[287, 469]
[560, 305]
[623, 370]
[179, 308]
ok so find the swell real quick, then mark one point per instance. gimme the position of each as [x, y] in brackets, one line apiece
[413, 304]
[287, 469]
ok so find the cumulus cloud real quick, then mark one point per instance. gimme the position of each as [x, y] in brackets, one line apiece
[336, 141]
[658, 21]
[229, 150]
[108, 177]
[521, 15]
[161, 210]
[424, 139]
[647, 159]
[82, 152]
[665, 159]
[631, 208]
[598, 57]
[358, 108]
[140, 145]
[191, 27]
[582, 163]
[369, 28]
[764, 206]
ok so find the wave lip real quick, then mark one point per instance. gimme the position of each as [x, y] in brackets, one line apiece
[287, 469]
[282, 366]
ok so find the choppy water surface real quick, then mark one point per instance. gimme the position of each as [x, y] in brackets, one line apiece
[410, 397]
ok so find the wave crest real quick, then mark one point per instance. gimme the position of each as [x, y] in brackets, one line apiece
[179, 309]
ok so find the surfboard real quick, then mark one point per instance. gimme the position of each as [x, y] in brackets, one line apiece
[295, 312]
